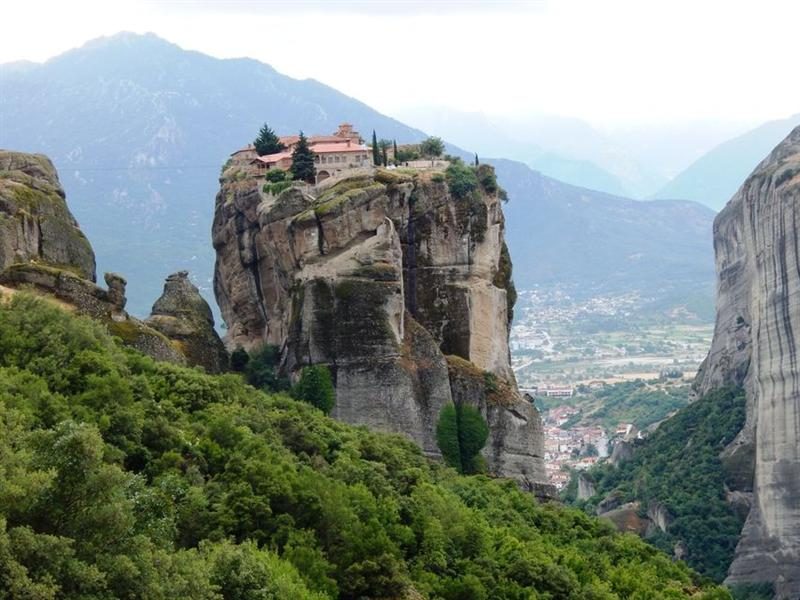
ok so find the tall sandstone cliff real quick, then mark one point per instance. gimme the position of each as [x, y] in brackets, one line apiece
[403, 290]
[756, 238]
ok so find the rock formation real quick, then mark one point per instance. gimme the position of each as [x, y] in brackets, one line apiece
[403, 290]
[42, 249]
[35, 224]
[756, 239]
[184, 317]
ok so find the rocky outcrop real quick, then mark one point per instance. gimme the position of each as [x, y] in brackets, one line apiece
[43, 250]
[185, 318]
[756, 239]
[622, 452]
[586, 486]
[35, 223]
[380, 277]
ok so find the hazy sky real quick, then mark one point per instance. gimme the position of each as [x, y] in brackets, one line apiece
[610, 62]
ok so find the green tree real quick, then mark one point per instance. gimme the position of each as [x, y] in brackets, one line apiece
[384, 145]
[316, 387]
[394, 150]
[432, 147]
[477, 162]
[303, 161]
[267, 142]
[239, 360]
[461, 179]
[376, 155]
[461, 434]
[261, 369]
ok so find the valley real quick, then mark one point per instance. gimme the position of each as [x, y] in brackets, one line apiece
[560, 339]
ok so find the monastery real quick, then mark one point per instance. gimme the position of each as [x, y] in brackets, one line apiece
[333, 154]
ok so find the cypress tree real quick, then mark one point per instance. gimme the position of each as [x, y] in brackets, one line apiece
[303, 161]
[394, 150]
[476, 160]
[376, 156]
[385, 151]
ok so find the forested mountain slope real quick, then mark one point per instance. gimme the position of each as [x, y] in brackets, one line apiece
[123, 477]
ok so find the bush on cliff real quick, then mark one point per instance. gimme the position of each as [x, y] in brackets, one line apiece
[461, 179]
[461, 434]
[121, 477]
[262, 369]
[316, 387]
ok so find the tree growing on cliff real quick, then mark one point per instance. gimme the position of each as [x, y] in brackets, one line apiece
[461, 434]
[376, 155]
[303, 161]
[316, 388]
[432, 147]
[384, 147]
[267, 142]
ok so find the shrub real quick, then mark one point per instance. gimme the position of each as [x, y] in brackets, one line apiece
[461, 180]
[239, 360]
[276, 175]
[487, 178]
[262, 369]
[277, 187]
[316, 388]
[461, 434]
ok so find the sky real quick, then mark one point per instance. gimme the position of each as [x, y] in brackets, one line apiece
[614, 63]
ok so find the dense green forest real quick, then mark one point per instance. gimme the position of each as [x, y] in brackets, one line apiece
[121, 477]
[679, 466]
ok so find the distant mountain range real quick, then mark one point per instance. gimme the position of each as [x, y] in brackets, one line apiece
[596, 243]
[714, 178]
[139, 129]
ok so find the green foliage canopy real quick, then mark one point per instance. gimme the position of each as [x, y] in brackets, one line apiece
[303, 161]
[316, 387]
[267, 142]
[121, 477]
[461, 434]
[679, 466]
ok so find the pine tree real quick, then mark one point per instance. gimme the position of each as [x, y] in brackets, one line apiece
[267, 142]
[303, 161]
[376, 155]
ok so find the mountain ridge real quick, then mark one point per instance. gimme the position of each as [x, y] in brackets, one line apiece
[141, 147]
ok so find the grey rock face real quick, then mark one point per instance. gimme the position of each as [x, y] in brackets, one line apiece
[622, 452]
[43, 249]
[586, 487]
[379, 278]
[35, 223]
[185, 318]
[756, 339]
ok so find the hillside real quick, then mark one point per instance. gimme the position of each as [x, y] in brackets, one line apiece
[139, 479]
[688, 488]
[714, 178]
